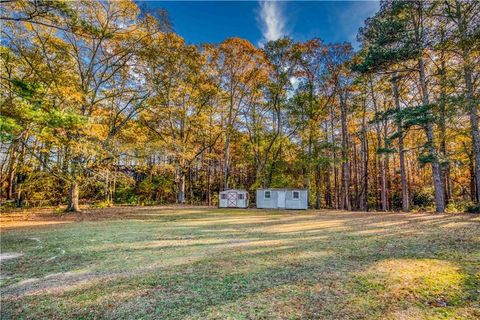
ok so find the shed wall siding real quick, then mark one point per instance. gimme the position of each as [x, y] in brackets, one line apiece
[223, 203]
[290, 203]
[301, 203]
[266, 203]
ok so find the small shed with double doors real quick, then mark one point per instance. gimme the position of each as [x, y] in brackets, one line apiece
[282, 198]
[233, 198]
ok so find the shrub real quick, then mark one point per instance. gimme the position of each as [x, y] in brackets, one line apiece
[454, 207]
[423, 198]
[102, 204]
[472, 208]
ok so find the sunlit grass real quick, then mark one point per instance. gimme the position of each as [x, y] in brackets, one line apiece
[242, 264]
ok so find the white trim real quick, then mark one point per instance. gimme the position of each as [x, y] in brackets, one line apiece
[293, 195]
[265, 194]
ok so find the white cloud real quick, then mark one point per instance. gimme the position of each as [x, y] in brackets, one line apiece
[272, 21]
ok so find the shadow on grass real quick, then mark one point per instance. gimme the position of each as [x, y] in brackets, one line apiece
[308, 266]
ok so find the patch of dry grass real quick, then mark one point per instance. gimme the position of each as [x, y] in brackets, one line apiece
[200, 263]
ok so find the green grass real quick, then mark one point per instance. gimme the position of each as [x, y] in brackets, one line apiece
[153, 263]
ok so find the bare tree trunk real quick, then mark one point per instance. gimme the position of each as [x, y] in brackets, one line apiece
[327, 182]
[473, 186]
[356, 203]
[383, 179]
[403, 175]
[317, 186]
[181, 187]
[11, 172]
[226, 169]
[20, 178]
[381, 162]
[473, 115]
[376, 181]
[73, 196]
[364, 171]
[106, 190]
[328, 188]
[401, 151]
[436, 169]
[345, 200]
[386, 160]
[334, 160]
[461, 19]
[442, 125]
[208, 182]
[114, 186]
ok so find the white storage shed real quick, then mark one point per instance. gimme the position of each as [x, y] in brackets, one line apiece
[282, 198]
[233, 198]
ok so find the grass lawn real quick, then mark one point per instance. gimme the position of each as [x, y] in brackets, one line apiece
[199, 263]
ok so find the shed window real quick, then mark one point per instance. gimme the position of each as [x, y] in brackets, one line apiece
[240, 196]
[267, 195]
[224, 196]
[296, 195]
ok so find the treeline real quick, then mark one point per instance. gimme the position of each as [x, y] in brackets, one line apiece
[104, 103]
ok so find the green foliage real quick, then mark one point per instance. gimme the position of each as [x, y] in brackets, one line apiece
[472, 208]
[125, 194]
[9, 128]
[40, 188]
[386, 150]
[102, 204]
[64, 119]
[387, 38]
[462, 206]
[423, 198]
[95, 86]
[154, 189]
[27, 90]
[426, 156]
[415, 116]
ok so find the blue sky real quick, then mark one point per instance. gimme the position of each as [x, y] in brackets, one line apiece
[214, 21]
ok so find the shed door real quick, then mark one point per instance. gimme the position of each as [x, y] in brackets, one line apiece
[281, 199]
[232, 199]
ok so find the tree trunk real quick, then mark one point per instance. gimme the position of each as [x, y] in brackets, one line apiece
[460, 18]
[403, 174]
[226, 169]
[328, 188]
[181, 187]
[364, 171]
[356, 203]
[334, 160]
[436, 168]
[308, 181]
[381, 162]
[401, 152]
[442, 123]
[317, 186]
[473, 115]
[471, 167]
[73, 196]
[345, 200]
[209, 181]
[11, 173]
[107, 193]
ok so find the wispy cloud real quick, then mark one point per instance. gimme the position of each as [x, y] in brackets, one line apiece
[272, 21]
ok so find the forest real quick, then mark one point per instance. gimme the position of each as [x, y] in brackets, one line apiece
[104, 103]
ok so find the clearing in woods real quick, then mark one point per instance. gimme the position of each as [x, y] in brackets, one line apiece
[203, 263]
